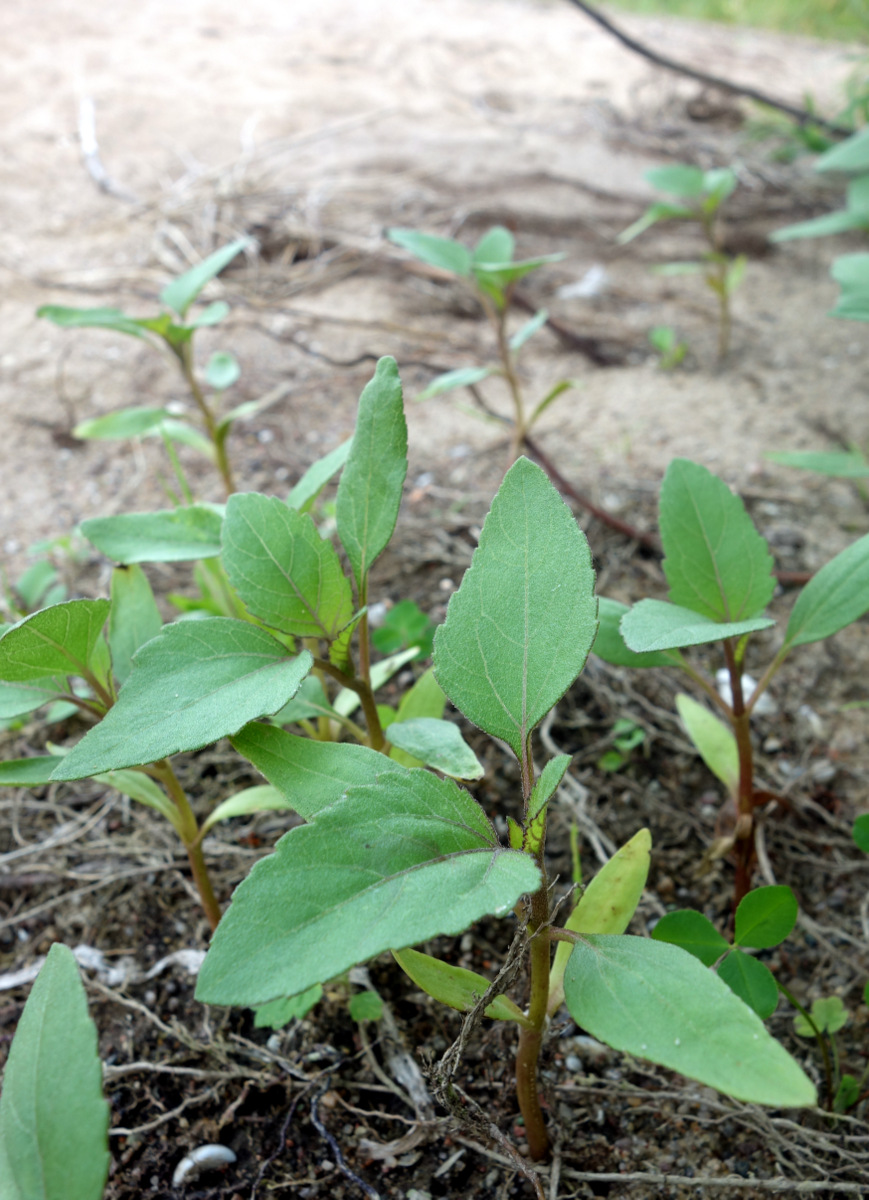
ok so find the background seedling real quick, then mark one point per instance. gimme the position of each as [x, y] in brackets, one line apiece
[172, 331]
[700, 196]
[719, 571]
[670, 348]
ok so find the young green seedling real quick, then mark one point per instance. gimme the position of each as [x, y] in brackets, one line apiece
[172, 332]
[670, 348]
[492, 274]
[699, 198]
[54, 1120]
[719, 571]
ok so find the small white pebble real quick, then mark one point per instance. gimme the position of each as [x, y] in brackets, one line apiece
[203, 1158]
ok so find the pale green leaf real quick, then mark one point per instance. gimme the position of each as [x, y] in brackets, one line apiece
[145, 790]
[195, 682]
[222, 370]
[841, 221]
[655, 625]
[497, 245]
[546, 784]
[54, 1120]
[171, 535]
[127, 423]
[834, 597]
[92, 318]
[840, 464]
[134, 618]
[450, 380]
[259, 798]
[440, 252]
[715, 561]
[387, 866]
[455, 986]
[527, 331]
[849, 156]
[365, 1006]
[347, 701]
[287, 575]
[27, 772]
[425, 699]
[715, 742]
[657, 1002]
[369, 493]
[17, 699]
[438, 744]
[318, 475]
[520, 626]
[181, 292]
[678, 180]
[59, 640]
[309, 702]
[278, 1013]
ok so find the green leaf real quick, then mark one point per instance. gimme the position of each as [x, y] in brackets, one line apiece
[606, 905]
[558, 389]
[306, 491]
[751, 981]
[527, 331]
[388, 865]
[837, 464]
[405, 624]
[655, 625]
[718, 184]
[369, 493]
[678, 180]
[455, 986]
[847, 1094]
[339, 650]
[715, 742]
[851, 272]
[694, 933]
[60, 640]
[425, 699]
[438, 744]
[849, 156]
[172, 535]
[134, 618]
[309, 702]
[497, 245]
[347, 701]
[195, 682]
[126, 423]
[450, 380]
[222, 370]
[27, 772]
[366, 1006]
[860, 833]
[765, 917]
[16, 700]
[828, 1013]
[312, 775]
[253, 799]
[54, 1120]
[145, 790]
[656, 1001]
[610, 645]
[716, 562]
[653, 214]
[287, 575]
[841, 221]
[439, 252]
[494, 278]
[834, 597]
[92, 318]
[278, 1013]
[520, 626]
[212, 314]
[181, 292]
[547, 783]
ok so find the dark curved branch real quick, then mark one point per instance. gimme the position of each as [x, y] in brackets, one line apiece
[800, 115]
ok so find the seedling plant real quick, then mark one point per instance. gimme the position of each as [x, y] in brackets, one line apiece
[671, 350]
[391, 856]
[700, 196]
[719, 571]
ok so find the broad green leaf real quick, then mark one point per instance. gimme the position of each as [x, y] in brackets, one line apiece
[127, 423]
[455, 986]
[278, 1013]
[849, 156]
[145, 790]
[389, 865]
[222, 370]
[54, 1120]
[716, 562]
[527, 331]
[259, 798]
[497, 245]
[366, 1006]
[134, 618]
[317, 476]
[439, 252]
[438, 744]
[369, 493]
[606, 905]
[546, 784]
[860, 833]
[92, 318]
[694, 933]
[841, 221]
[715, 742]
[27, 772]
[18, 699]
[312, 775]
[171, 535]
[751, 981]
[520, 626]
[282, 569]
[678, 180]
[656, 1001]
[765, 917]
[655, 625]
[610, 645]
[837, 464]
[60, 640]
[450, 380]
[834, 597]
[195, 682]
[181, 292]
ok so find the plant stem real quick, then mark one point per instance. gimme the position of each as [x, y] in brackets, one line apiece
[185, 356]
[531, 1039]
[376, 740]
[191, 837]
[744, 847]
[819, 1038]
